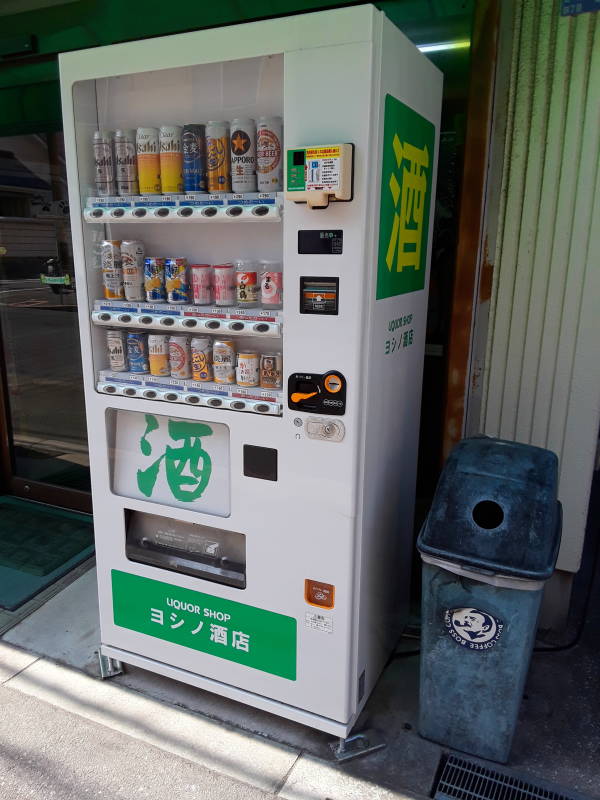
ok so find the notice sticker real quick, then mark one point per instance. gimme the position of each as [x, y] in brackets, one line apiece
[323, 167]
[318, 622]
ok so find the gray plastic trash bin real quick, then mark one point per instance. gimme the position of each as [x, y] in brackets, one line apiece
[489, 543]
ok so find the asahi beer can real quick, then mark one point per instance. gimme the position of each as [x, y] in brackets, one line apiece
[154, 280]
[158, 354]
[246, 284]
[180, 358]
[269, 154]
[194, 158]
[202, 358]
[176, 280]
[148, 160]
[137, 351]
[171, 159]
[126, 163]
[224, 361]
[112, 271]
[218, 169]
[104, 165]
[224, 284]
[271, 371]
[116, 344]
[132, 260]
[243, 155]
[246, 372]
[202, 283]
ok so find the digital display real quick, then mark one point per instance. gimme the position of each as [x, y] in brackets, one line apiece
[320, 242]
[299, 158]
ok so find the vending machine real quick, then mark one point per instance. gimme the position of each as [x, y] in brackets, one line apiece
[252, 212]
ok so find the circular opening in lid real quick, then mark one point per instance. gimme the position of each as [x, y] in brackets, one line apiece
[234, 211]
[97, 212]
[162, 212]
[139, 212]
[260, 211]
[118, 212]
[186, 211]
[210, 211]
[488, 515]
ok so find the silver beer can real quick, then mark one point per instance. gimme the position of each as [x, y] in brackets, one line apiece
[116, 344]
[104, 165]
[269, 154]
[132, 262]
[242, 141]
[126, 163]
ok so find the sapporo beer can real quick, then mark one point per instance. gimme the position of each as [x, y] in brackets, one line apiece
[137, 351]
[269, 160]
[132, 260]
[154, 280]
[224, 284]
[202, 358]
[243, 155]
[224, 361]
[158, 354]
[246, 284]
[194, 158]
[180, 359]
[171, 159]
[126, 163]
[271, 371]
[112, 271]
[201, 284]
[116, 344]
[176, 280]
[246, 372]
[218, 169]
[104, 165]
[148, 160]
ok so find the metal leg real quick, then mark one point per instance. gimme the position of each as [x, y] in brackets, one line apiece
[359, 744]
[109, 667]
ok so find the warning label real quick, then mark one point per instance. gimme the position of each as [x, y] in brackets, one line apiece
[322, 167]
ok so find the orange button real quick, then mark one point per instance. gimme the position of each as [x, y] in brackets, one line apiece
[319, 594]
[333, 383]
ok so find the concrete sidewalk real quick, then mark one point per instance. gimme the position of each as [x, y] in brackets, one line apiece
[67, 735]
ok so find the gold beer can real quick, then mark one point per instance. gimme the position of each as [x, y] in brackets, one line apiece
[148, 160]
[171, 159]
[218, 163]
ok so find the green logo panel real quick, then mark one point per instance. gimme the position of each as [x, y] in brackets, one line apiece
[406, 176]
[252, 636]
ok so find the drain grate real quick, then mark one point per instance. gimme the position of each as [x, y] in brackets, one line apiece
[464, 780]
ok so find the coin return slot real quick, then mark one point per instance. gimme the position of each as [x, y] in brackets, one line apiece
[162, 212]
[105, 317]
[260, 211]
[190, 323]
[261, 327]
[214, 401]
[234, 211]
[151, 394]
[238, 405]
[171, 396]
[146, 320]
[186, 212]
[97, 212]
[261, 408]
[139, 212]
[209, 212]
[118, 212]
[192, 398]
[125, 318]
[110, 389]
[167, 321]
[129, 392]
[213, 324]
[237, 326]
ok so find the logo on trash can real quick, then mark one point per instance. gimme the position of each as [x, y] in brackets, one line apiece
[473, 628]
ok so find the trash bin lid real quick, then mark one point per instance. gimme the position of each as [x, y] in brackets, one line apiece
[495, 509]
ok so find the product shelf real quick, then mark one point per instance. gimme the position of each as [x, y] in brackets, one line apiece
[267, 402]
[166, 318]
[189, 208]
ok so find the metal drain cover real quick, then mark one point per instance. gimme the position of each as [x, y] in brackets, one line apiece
[461, 779]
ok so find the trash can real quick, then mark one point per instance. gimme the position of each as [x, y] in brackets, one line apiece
[489, 543]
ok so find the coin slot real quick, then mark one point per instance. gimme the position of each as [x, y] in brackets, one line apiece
[162, 212]
[238, 405]
[237, 326]
[213, 324]
[167, 321]
[214, 401]
[260, 211]
[146, 320]
[210, 211]
[150, 394]
[186, 211]
[262, 327]
[171, 396]
[129, 392]
[97, 213]
[190, 323]
[234, 211]
[140, 212]
[117, 212]
[125, 318]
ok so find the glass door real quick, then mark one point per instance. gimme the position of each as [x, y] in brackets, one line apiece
[43, 448]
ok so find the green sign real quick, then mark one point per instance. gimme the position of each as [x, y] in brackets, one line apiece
[223, 628]
[63, 280]
[406, 176]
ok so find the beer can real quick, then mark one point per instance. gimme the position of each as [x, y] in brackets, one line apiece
[154, 280]
[224, 361]
[246, 371]
[148, 160]
[224, 284]
[158, 354]
[116, 344]
[180, 357]
[171, 159]
[104, 165]
[201, 284]
[271, 371]
[246, 284]
[194, 158]
[132, 260]
[202, 358]
[176, 280]
[269, 150]
[137, 351]
[218, 170]
[126, 163]
[243, 155]
[112, 271]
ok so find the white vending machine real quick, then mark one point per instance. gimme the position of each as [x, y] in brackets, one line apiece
[252, 210]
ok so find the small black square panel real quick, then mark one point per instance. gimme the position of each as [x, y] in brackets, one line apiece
[260, 462]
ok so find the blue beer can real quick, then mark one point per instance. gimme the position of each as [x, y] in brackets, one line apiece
[154, 280]
[137, 352]
[194, 158]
